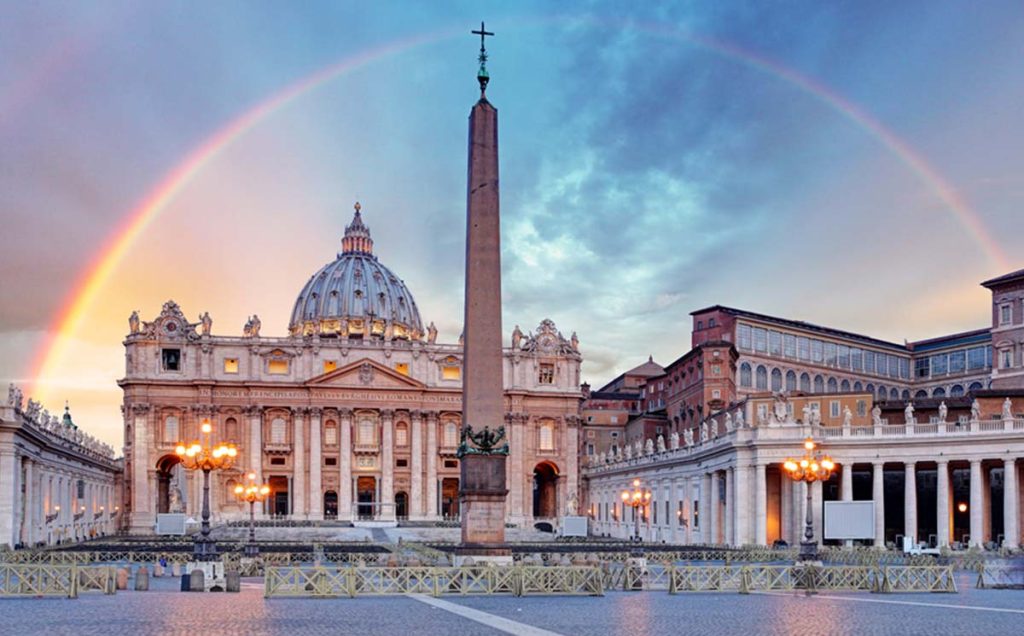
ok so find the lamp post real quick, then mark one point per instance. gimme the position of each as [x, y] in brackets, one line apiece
[812, 467]
[251, 493]
[204, 455]
[636, 499]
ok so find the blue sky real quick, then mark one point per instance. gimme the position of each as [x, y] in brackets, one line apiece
[645, 173]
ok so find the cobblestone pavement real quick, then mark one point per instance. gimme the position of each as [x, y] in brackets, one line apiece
[165, 611]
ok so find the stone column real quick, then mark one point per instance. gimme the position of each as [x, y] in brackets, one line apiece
[8, 467]
[387, 469]
[977, 503]
[1011, 512]
[741, 507]
[878, 495]
[299, 464]
[846, 490]
[673, 510]
[942, 505]
[517, 450]
[316, 465]
[817, 499]
[256, 442]
[714, 510]
[572, 455]
[729, 523]
[416, 467]
[431, 500]
[704, 510]
[142, 516]
[345, 464]
[910, 502]
[786, 513]
[761, 504]
[28, 526]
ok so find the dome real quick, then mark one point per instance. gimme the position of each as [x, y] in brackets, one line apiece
[356, 296]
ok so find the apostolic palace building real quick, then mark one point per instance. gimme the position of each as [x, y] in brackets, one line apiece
[932, 432]
[354, 414]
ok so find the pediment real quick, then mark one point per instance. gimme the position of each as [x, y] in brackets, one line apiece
[366, 373]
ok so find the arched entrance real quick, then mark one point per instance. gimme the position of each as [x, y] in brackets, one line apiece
[545, 489]
[278, 501]
[401, 505]
[450, 497]
[330, 505]
[165, 467]
[366, 495]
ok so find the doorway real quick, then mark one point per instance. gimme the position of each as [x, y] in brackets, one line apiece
[165, 492]
[279, 496]
[450, 497]
[401, 505]
[366, 496]
[545, 489]
[330, 505]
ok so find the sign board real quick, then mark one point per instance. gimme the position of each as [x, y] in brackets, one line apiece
[574, 526]
[849, 520]
[170, 524]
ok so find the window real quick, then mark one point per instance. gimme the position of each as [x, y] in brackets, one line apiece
[402, 434]
[844, 386]
[715, 395]
[833, 386]
[940, 364]
[402, 463]
[547, 373]
[402, 367]
[450, 372]
[762, 377]
[331, 434]
[171, 433]
[857, 386]
[700, 325]
[776, 380]
[789, 345]
[743, 333]
[862, 408]
[775, 343]
[957, 361]
[760, 339]
[844, 357]
[170, 359]
[277, 367]
[330, 365]
[277, 461]
[830, 354]
[880, 363]
[366, 432]
[905, 368]
[817, 350]
[1004, 314]
[230, 365]
[976, 358]
[803, 346]
[330, 461]
[590, 448]
[856, 359]
[614, 419]
[451, 463]
[278, 431]
[547, 437]
[819, 384]
[869, 361]
[711, 322]
[805, 382]
[921, 368]
[231, 430]
[746, 379]
[956, 391]
[939, 392]
[894, 367]
[833, 408]
[716, 369]
[1006, 358]
[791, 380]
[451, 435]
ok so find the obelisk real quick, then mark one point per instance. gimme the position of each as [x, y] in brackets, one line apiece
[482, 489]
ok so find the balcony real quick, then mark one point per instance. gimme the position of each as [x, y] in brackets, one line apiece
[366, 448]
[277, 448]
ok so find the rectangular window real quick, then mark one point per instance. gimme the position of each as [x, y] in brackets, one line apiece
[401, 436]
[869, 361]
[957, 361]
[1006, 357]
[880, 362]
[833, 408]
[830, 354]
[402, 367]
[844, 357]
[1004, 315]
[170, 359]
[940, 364]
[614, 419]
[450, 373]
[804, 347]
[760, 339]
[775, 343]
[330, 461]
[330, 365]
[905, 368]
[277, 367]
[976, 358]
[921, 368]
[789, 345]
[451, 463]
[716, 369]
[894, 367]
[862, 408]
[402, 463]
[716, 394]
[856, 359]
[331, 436]
[277, 461]
[547, 437]
[547, 374]
[817, 350]
[230, 365]
[743, 333]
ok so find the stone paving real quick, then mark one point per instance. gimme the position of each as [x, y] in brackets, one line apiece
[165, 611]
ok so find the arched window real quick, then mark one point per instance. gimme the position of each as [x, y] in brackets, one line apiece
[805, 382]
[819, 384]
[921, 394]
[894, 394]
[762, 377]
[366, 432]
[833, 386]
[956, 390]
[451, 435]
[869, 388]
[401, 434]
[171, 433]
[776, 380]
[330, 433]
[939, 392]
[278, 431]
[882, 392]
[547, 436]
[975, 386]
[745, 379]
[905, 394]
[845, 386]
[858, 387]
[231, 430]
[791, 380]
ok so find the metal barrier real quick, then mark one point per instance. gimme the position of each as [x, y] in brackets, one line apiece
[844, 578]
[29, 579]
[320, 582]
[1000, 577]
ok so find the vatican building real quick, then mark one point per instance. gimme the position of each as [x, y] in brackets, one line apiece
[353, 415]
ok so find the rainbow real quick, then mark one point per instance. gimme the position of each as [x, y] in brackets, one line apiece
[109, 257]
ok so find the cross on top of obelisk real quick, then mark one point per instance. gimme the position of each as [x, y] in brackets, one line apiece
[482, 75]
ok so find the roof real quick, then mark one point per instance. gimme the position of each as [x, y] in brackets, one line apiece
[613, 395]
[1012, 277]
[964, 337]
[800, 324]
[647, 369]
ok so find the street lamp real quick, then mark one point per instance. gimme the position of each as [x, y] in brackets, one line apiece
[636, 499]
[810, 468]
[203, 455]
[251, 493]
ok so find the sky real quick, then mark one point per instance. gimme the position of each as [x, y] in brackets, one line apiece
[854, 164]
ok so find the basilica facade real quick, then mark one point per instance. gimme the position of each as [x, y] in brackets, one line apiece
[354, 414]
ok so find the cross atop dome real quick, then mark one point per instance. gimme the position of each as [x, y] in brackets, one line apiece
[357, 236]
[482, 76]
